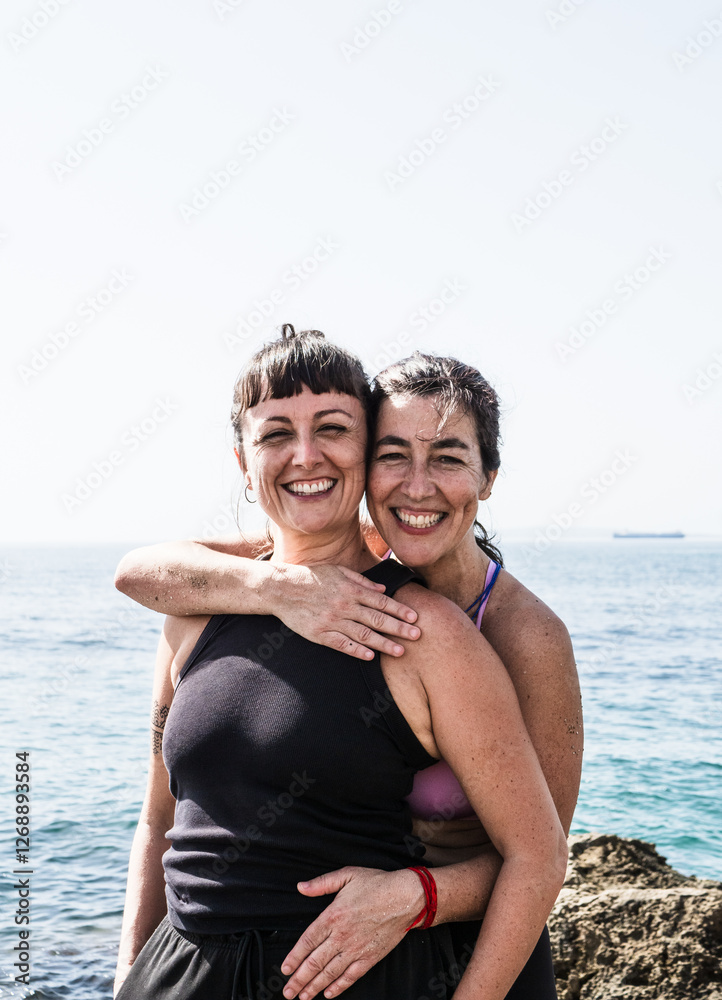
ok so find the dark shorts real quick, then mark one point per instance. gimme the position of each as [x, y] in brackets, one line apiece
[175, 965]
[536, 979]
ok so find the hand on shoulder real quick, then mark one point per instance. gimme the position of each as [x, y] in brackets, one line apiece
[449, 639]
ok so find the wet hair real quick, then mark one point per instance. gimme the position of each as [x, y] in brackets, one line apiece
[457, 388]
[283, 367]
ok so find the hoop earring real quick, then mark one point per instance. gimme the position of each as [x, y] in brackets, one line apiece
[245, 493]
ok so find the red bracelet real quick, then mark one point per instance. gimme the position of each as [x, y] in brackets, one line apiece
[428, 914]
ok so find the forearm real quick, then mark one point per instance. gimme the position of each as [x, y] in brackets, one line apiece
[145, 902]
[520, 903]
[188, 578]
[373, 909]
[465, 887]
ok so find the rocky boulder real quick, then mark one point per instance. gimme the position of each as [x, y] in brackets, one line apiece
[627, 926]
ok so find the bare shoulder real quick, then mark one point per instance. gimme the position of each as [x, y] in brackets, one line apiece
[515, 617]
[440, 671]
[447, 634]
[438, 611]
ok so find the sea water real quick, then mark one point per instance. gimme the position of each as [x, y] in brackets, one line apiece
[76, 673]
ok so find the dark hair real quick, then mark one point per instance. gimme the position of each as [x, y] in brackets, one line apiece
[283, 367]
[458, 387]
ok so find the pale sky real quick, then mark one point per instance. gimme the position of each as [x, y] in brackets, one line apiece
[512, 172]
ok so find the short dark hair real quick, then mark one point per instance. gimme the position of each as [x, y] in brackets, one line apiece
[283, 367]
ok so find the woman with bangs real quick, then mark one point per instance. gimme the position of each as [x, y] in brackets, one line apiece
[430, 466]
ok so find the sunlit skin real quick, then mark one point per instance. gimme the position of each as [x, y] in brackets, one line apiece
[422, 467]
[426, 467]
[304, 459]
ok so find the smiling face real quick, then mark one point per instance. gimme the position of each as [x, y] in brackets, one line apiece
[304, 458]
[425, 479]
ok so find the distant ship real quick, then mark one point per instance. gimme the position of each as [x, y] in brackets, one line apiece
[648, 534]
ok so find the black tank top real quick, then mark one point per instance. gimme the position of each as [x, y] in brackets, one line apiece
[287, 760]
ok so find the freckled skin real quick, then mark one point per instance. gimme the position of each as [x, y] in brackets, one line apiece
[306, 438]
[408, 471]
[530, 640]
[425, 464]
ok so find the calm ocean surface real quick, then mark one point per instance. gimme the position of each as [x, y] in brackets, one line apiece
[76, 670]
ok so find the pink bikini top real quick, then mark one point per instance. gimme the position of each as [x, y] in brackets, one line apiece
[436, 793]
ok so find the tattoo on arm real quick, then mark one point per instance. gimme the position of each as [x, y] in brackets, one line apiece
[157, 725]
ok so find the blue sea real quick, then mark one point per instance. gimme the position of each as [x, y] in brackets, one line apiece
[76, 669]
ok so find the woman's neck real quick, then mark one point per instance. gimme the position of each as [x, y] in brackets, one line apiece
[459, 574]
[347, 548]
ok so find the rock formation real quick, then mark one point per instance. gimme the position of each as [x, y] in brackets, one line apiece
[627, 926]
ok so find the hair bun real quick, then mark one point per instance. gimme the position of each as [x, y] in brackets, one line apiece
[288, 332]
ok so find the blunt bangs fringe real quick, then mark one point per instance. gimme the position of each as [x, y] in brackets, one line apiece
[282, 368]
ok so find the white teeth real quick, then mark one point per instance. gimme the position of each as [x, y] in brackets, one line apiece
[306, 489]
[419, 520]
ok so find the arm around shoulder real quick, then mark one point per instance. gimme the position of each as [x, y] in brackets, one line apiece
[195, 578]
[327, 604]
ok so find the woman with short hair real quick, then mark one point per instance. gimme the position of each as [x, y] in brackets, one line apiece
[302, 448]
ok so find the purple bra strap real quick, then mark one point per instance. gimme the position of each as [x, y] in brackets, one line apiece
[491, 575]
[492, 572]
